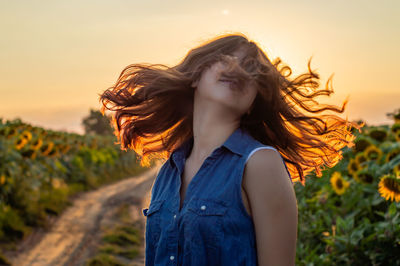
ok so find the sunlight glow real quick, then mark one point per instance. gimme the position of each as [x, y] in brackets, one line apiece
[225, 12]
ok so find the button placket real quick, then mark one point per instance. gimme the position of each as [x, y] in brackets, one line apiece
[173, 235]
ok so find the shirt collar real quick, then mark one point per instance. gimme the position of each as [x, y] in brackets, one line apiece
[236, 143]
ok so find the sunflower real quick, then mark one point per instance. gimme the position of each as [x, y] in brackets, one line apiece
[378, 134]
[54, 152]
[37, 144]
[26, 134]
[361, 143]
[373, 153]
[389, 187]
[396, 169]
[395, 128]
[363, 176]
[11, 132]
[338, 183]
[352, 166]
[29, 153]
[360, 158]
[20, 143]
[391, 154]
[47, 148]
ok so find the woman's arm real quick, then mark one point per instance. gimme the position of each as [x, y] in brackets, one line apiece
[274, 208]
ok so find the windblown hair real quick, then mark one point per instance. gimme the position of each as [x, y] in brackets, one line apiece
[153, 106]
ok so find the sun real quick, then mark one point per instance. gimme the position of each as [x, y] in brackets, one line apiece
[225, 12]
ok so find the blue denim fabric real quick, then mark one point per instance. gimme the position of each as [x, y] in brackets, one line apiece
[213, 227]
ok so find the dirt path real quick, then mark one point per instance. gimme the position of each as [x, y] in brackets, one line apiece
[73, 236]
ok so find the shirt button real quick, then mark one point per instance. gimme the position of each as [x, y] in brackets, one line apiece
[174, 216]
[172, 258]
[203, 207]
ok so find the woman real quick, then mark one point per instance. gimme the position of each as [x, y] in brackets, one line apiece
[227, 121]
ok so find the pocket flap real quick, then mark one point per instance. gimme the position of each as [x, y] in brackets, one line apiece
[208, 206]
[154, 207]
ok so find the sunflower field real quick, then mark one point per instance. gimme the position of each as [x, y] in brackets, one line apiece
[40, 169]
[350, 215]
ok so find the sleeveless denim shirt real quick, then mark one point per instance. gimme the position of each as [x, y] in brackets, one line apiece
[213, 226]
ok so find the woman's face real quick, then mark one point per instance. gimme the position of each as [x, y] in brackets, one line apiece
[212, 87]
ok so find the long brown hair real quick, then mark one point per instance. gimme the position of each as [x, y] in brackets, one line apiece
[153, 106]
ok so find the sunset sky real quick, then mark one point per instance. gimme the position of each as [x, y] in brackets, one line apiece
[57, 56]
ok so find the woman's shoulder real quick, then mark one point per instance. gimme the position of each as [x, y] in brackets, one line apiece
[266, 179]
[265, 164]
[265, 158]
[256, 147]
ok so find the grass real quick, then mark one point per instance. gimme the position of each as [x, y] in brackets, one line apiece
[120, 243]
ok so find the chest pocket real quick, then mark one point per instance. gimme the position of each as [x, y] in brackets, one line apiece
[204, 222]
[153, 221]
[207, 207]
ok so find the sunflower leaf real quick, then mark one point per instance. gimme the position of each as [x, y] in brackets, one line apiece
[382, 214]
[392, 209]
